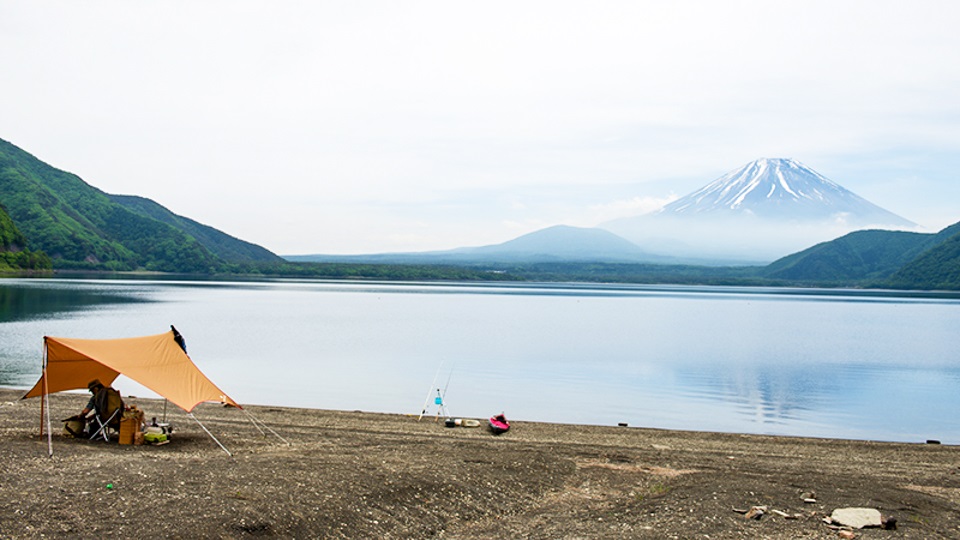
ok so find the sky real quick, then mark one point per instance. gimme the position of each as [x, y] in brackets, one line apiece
[384, 126]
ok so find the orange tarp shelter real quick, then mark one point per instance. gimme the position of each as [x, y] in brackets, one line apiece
[157, 362]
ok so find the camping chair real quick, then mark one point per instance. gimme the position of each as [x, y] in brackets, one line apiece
[107, 412]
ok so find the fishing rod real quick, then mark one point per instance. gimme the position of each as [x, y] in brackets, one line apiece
[440, 398]
[443, 395]
[426, 402]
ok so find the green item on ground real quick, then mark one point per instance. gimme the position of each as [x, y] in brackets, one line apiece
[154, 437]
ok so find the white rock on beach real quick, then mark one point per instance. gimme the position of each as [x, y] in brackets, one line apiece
[857, 518]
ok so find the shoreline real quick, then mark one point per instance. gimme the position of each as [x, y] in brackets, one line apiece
[363, 475]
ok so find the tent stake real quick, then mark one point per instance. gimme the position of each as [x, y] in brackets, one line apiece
[257, 423]
[210, 434]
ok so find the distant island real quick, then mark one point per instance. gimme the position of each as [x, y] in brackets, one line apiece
[53, 221]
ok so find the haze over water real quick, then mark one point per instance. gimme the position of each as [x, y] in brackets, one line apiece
[846, 364]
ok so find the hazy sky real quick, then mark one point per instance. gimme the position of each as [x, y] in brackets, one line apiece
[363, 126]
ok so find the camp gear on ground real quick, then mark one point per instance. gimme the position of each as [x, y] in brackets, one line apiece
[73, 427]
[153, 438]
[461, 422]
[499, 424]
[130, 424]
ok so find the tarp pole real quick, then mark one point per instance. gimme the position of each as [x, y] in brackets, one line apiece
[46, 400]
[257, 423]
[43, 383]
[43, 398]
[49, 429]
[210, 434]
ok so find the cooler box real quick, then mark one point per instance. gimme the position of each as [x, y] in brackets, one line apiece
[128, 426]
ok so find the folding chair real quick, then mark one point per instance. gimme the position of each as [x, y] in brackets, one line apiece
[107, 411]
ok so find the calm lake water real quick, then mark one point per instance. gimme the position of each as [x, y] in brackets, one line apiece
[848, 364]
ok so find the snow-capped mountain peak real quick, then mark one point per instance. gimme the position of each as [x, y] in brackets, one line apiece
[782, 189]
[763, 210]
[763, 179]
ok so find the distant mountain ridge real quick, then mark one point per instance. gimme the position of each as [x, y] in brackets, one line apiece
[559, 243]
[563, 242]
[81, 227]
[871, 258]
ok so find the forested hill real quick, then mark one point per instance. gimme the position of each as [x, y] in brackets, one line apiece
[222, 245]
[14, 255]
[81, 227]
[876, 258]
[11, 239]
[936, 268]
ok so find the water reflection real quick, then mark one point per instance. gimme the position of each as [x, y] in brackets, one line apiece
[24, 300]
[27, 300]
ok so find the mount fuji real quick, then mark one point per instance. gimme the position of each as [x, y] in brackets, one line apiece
[782, 189]
[761, 211]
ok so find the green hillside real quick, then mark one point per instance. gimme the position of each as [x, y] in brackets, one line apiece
[81, 227]
[876, 259]
[14, 255]
[11, 239]
[936, 268]
[224, 246]
[857, 256]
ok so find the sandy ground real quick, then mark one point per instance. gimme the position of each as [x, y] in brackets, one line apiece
[366, 475]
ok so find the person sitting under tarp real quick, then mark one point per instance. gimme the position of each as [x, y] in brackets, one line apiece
[107, 405]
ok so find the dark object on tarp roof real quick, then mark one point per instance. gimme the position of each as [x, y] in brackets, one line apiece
[179, 338]
[499, 424]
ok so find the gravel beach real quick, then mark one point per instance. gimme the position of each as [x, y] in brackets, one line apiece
[343, 474]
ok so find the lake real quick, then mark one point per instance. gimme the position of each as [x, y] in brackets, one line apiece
[875, 365]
